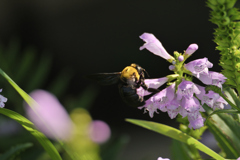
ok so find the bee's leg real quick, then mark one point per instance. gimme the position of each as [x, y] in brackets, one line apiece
[153, 90]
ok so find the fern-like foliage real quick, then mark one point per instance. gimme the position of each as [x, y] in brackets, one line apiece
[227, 37]
[30, 71]
[14, 151]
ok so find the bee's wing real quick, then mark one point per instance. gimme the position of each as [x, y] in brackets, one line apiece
[105, 78]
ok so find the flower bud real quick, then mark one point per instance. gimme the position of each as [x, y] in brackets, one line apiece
[191, 49]
[171, 67]
[180, 58]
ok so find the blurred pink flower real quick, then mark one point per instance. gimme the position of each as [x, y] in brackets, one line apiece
[99, 131]
[51, 118]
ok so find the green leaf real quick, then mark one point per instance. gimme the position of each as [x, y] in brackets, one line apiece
[24, 95]
[231, 95]
[177, 135]
[232, 111]
[226, 131]
[28, 125]
[11, 153]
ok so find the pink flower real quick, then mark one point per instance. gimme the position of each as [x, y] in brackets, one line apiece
[190, 104]
[99, 131]
[199, 66]
[155, 46]
[209, 98]
[213, 78]
[150, 106]
[196, 121]
[51, 118]
[151, 83]
[219, 103]
[186, 89]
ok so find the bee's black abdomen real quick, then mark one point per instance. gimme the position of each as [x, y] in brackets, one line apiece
[129, 95]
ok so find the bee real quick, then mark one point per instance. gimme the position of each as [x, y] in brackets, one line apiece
[128, 80]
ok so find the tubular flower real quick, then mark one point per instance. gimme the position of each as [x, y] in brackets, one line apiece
[199, 66]
[150, 106]
[219, 103]
[187, 89]
[155, 46]
[182, 96]
[196, 121]
[213, 78]
[151, 83]
[191, 104]
[210, 98]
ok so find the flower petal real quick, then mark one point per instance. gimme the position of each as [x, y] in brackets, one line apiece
[155, 46]
[151, 83]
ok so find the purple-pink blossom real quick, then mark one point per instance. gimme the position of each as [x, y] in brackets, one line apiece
[51, 118]
[183, 102]
[155, 46]
[150, 106]
[187, 89]
[208, 98]
[190, 104]
[219, 103]
[213, 78]
[151, 83]
[186, 98]
[196, 121]
[99, 131]
[199, 66]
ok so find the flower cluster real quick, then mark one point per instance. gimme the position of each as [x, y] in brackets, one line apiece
[182, 96]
